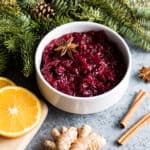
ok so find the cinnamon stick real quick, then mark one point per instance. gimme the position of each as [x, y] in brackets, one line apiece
[125, 137]
[136, 102]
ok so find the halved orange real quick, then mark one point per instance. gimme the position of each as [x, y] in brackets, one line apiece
[20, 111]
[5, 82]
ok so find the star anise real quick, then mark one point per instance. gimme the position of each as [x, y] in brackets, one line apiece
[67, 47]
[144, 74]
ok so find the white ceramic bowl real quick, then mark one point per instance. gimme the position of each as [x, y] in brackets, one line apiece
[82, 105]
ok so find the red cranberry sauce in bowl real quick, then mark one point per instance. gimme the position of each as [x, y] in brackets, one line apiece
[82, 64]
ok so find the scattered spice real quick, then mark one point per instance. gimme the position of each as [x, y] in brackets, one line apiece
[144, 74]
[75, 139]
[67, 47]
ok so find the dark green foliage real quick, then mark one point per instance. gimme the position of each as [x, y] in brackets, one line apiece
[63, 7]
[141, 8]
[3, 60]
[19, 32]
[142, 12]
[123, 20]
[86, 12]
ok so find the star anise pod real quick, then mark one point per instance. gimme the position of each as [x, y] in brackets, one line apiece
[67, 47]
[144, 74]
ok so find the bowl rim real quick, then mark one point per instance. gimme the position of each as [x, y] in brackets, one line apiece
[77, 98]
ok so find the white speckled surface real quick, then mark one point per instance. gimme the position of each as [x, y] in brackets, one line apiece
[107, 122]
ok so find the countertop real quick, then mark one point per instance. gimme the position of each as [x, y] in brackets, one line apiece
[105, 123]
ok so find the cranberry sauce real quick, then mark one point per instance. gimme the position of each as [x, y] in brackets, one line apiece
[96, 66]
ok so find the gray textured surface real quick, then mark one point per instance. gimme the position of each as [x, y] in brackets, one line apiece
[106, 122]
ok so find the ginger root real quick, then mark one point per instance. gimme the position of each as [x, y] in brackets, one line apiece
[75, 139]
[63, 139]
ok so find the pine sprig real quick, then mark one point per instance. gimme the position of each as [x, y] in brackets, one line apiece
[85, 12]
[20, 32]
[121, 10]
[142, 12]
[139, 7]
[63, 7]
[128, 23]
[60, 6]
[28, 41]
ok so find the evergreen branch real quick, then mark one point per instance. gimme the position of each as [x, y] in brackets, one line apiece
[140, 8]
[21, 31]
[127, 32]
[134, 37]
[141, 12]
[60, 6]
[107, 8]
[86, 12]
[122, 11]
[27, 52]
[63, 7]
[72, 4]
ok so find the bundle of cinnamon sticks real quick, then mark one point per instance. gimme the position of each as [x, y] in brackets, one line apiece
[141, 95]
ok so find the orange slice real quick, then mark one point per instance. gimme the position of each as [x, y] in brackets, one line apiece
[5, 82]
[20, 111]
